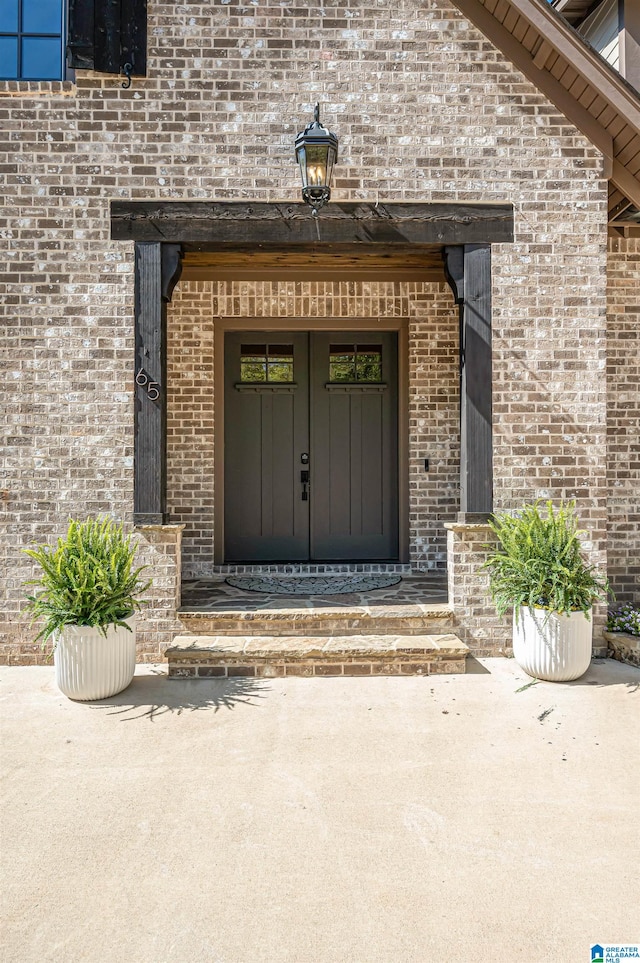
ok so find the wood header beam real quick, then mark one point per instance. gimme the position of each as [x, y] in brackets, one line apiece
[287, 225]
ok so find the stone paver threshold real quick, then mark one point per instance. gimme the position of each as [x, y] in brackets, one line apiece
[216, 596]
[203, 656]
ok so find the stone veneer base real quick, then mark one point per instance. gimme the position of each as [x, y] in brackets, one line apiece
[624, 647]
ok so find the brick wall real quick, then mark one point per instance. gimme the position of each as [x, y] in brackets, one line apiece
[425, 108]
[623, 418]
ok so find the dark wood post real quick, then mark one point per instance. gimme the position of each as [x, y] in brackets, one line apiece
[468, 271]
[157, 269]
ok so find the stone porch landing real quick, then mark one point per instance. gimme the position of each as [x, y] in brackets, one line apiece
[404, 629]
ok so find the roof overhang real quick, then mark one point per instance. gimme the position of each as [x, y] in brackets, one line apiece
[574, 10]
[581, 84]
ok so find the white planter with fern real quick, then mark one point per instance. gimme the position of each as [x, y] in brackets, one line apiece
[553, 647]
[88, 596]
[92, 666]
[538, 570]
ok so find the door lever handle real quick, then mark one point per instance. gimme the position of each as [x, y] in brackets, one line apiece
[304, 480]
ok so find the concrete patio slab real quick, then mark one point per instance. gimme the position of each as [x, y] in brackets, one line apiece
[377, 820]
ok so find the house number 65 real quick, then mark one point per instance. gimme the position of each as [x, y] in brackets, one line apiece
[151, 387]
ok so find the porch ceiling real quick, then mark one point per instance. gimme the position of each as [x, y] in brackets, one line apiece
[314, 262]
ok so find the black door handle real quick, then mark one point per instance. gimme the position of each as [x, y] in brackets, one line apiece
[304, 480]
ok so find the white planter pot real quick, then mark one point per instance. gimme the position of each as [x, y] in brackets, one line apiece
[88, 666]
[556, 648]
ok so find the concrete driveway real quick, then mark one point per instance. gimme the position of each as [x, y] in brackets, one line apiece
[451, 819]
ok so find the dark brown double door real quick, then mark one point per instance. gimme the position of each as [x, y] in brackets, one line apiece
[311, 446]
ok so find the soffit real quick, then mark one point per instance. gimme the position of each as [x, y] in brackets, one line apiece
[574, 10]
[330, 262]
[581, 84]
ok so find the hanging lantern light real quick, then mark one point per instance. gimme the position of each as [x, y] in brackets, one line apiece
[316, 153]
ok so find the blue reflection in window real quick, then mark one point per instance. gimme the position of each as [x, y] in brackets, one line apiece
[8, 19]
[8, 58]
[41, 16]
[41, 58]
[31, 39]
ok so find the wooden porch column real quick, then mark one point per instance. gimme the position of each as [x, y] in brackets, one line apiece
[468, 270]
[157, 270]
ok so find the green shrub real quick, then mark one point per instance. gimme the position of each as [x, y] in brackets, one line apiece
[626, 618]
[87, 579]
[539, 564]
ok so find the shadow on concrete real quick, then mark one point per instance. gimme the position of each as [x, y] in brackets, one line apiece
[473, 667]
[603, 672]
[155, 695]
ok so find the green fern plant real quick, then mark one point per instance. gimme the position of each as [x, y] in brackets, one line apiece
[88, 578]
[539, 563]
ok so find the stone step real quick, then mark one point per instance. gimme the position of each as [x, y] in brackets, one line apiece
[202, 656]
[317, 619]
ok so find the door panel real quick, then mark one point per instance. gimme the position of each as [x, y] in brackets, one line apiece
[354, 444]
[266, 429]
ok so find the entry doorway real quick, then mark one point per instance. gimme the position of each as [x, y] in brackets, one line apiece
[311, 446]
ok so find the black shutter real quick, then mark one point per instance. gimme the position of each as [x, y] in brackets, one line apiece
[104, 35]
[80, 34]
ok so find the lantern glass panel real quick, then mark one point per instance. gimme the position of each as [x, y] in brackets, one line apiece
[316, 164]
[302, 163]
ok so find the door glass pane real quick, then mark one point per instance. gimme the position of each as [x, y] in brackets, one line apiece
[342, 362]
[280, 363]
[369, 362]
[8, 19]
[8, 58]
[41, 16]
[253, 362]
[41, 58]
[355, 363]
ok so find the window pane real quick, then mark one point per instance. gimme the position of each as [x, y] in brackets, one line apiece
[41, 58]
[251, 350]
[41, 16]
[280, 362]
[342, 349]
[281, 370]
[342, 362]
[281, 351]
[253, 362]
[8, 58]
[8, 20]
[253, 370]
[369, 363]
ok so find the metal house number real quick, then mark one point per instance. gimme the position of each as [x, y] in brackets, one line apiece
[151, 387]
